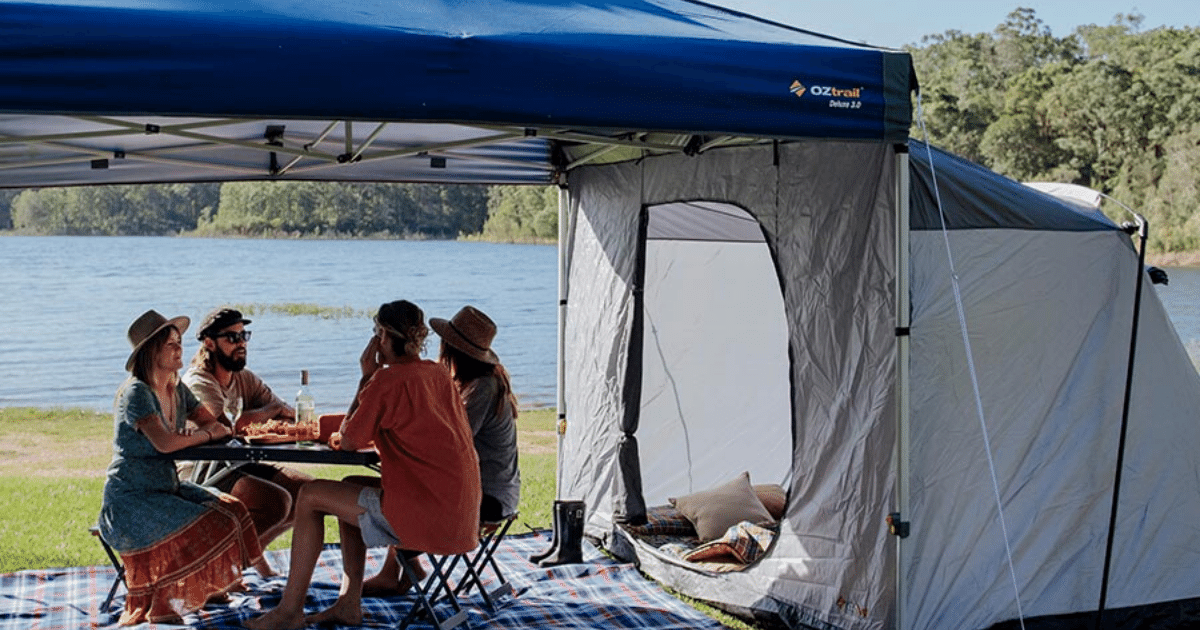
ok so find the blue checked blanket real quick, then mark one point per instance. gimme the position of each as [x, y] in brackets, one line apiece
[597, 594]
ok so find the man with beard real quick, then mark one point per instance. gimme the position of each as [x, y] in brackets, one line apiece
[219, 379]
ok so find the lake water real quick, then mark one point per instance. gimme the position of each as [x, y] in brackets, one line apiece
[67, 302]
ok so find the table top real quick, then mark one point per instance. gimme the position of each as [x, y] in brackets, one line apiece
[310, 453]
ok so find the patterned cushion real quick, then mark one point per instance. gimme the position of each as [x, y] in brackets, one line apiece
[743, 543]
[664, 520]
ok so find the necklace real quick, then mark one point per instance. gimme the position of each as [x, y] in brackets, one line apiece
[166, 400]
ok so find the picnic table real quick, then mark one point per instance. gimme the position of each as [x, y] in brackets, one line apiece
[214, 460]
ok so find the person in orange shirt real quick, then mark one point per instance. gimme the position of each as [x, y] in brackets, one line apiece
[429, 492]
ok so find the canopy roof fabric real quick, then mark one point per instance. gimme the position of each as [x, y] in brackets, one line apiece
[431, 90]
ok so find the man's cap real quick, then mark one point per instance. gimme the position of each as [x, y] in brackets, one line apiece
[219, 320]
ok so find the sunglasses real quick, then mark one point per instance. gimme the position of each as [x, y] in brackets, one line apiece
[234, 337]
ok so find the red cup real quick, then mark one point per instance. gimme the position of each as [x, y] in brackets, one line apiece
[330, 423]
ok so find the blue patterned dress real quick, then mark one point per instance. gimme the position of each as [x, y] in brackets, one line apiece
[180, 542]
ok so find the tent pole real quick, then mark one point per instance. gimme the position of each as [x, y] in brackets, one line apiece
[1142, 229]
[560, 372]
[903, 322]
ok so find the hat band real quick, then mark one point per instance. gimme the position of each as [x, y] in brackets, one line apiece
[466, 338]
[390, 329]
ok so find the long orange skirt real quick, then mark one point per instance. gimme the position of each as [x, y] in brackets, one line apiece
[177, 575]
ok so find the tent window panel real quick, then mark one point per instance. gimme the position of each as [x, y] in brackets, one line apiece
[715, 389]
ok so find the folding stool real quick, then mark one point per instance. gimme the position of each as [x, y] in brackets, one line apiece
[490, 535]
[435, 588]
[116, 562]
[437, 584]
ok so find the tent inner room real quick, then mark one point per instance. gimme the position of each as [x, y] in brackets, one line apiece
[714, 353]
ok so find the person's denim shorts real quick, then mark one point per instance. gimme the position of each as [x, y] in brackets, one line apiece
[376, 531]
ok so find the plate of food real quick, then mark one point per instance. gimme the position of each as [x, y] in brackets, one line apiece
[279, 432]
[270, 438]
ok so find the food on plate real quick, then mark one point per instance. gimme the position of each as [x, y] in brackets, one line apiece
[281, 431]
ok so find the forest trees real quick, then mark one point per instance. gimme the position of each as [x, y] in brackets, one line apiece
[255, 209]
[289, 209]
[1107, 107]
[522, 213]
[113, 210]
[337, 209]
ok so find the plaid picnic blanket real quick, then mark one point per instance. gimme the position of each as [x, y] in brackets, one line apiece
[599, 593]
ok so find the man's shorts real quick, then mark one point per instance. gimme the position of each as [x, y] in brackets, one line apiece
[376, 531]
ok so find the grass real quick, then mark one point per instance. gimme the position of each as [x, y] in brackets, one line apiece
[304, 309]
[52, 466]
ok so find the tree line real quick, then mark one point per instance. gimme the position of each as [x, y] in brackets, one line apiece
[1113, 108]
[287, 209]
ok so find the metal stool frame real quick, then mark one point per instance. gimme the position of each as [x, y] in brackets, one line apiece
[116, 562]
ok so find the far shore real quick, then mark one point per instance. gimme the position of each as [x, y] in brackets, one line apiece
[1174, 259]
[328, 236]
[1164, 259]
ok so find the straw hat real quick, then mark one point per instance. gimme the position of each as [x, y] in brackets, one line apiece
[470, 331]
[145, 327]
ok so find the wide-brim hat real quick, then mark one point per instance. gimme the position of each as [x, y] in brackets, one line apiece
[145, 327]
[470, 331]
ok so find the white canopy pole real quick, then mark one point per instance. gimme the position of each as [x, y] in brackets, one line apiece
[903, 322]
[560, 401]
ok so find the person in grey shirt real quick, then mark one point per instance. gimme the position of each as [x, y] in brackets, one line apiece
[491, 406]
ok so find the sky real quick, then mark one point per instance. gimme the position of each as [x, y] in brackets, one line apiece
[892, 24]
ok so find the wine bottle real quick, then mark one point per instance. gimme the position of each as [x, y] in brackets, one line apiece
[305, 406]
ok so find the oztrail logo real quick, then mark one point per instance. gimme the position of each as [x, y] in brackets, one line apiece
[799, 89]
[838, 98]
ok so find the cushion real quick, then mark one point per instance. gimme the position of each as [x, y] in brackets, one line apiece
[743, 543]
[773, 497]
[714, 511]
[664, 520]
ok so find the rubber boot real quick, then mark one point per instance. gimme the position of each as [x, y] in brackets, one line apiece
[569, 536]
[557, 514]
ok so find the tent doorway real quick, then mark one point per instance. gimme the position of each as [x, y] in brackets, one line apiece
[715, 398]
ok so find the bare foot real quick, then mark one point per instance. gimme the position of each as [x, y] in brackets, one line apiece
[264, 569]
[387, 586]
[342, 613]
[222, 596]
[276, 619]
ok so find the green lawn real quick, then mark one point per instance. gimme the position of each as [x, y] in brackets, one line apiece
[52, 465]
[52, 476]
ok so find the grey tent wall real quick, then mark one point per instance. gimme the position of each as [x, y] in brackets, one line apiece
[828, 210]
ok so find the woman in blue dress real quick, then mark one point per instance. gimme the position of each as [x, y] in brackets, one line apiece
[181, 544]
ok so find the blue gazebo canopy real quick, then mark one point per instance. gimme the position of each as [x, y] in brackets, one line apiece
[424, 90]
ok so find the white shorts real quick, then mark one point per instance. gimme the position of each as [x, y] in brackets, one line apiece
[376, 531]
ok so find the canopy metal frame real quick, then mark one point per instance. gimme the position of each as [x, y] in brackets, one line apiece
[224, 149]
